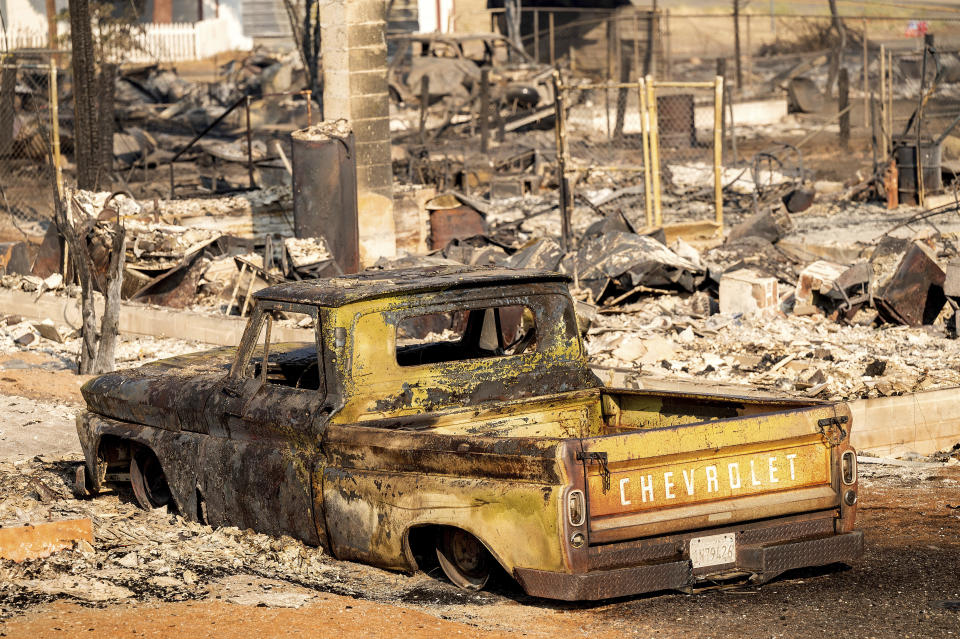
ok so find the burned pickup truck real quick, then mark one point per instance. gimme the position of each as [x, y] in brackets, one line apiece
[448, 415]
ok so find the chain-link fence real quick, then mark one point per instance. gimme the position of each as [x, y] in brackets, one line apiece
[651, 139]
[601, 129]
[27, 142]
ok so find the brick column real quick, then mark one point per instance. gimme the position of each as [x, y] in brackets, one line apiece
[355, 88]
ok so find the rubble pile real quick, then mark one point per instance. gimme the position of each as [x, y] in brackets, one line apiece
[160, 556]
[670, 337]
[749, 310]
[61, 343]
[136, 555]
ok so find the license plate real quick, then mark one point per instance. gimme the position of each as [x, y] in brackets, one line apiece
[713, 550]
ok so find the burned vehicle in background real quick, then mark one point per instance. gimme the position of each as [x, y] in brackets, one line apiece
[448, 415]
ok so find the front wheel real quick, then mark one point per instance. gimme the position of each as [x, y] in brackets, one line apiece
[148, 481]
[464, 560]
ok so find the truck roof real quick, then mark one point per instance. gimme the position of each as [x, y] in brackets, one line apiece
[346, 289]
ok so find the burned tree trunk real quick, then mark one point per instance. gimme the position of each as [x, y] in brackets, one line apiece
[97, 348]
[110, 324]
[836, 24]
[105, 118]
[86, 140]
[8, 86]
[304, 16]
[75, 236]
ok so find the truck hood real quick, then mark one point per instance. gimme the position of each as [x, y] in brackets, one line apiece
[162, 394]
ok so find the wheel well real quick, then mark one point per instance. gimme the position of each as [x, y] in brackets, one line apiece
[422, 544]
[421, 541]
[114, 453]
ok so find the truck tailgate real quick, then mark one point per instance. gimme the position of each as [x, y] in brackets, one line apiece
[708, 474]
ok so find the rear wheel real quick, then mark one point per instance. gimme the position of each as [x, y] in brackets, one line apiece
[148, 481]
[464, 560]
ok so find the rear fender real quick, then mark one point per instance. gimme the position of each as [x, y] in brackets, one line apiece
[369, 516]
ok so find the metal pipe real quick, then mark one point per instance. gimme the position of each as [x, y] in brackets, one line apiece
[890, 96]
[536, 35]
[736, 42]
[424, 101]
[927, 44]
[684, 85]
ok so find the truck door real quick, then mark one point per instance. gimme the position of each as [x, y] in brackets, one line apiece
[271, 408]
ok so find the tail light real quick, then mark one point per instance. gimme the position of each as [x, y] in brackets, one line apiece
[576, 509]
[848, 467]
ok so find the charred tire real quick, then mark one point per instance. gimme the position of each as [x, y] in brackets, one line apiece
[148, 481]
[465, 561]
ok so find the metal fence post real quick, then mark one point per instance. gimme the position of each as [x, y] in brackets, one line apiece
[654, 150]
[249, 145]
[866, 77]
[645, 141]
[536, 35]
[484, 110]
[553, 43]
[718, 151]
[560, 137]
[55, 129]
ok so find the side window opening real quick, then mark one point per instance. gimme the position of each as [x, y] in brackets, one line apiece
[293, 364]
[479, 333]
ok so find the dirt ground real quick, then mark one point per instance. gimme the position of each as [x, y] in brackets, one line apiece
[23, 374]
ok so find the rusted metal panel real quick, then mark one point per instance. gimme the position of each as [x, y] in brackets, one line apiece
[14, 258]
[711, 478]
[325, 190]
[668, 547]
[764, 561]
[914, 295]
[454, 224]
[50, 254]
[35, 541]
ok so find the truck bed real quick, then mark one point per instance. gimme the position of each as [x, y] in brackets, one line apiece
[590, 413]
[658, 462]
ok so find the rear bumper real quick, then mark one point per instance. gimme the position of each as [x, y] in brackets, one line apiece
[765, 561]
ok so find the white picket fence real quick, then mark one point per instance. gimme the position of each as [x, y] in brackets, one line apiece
[156, 43]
